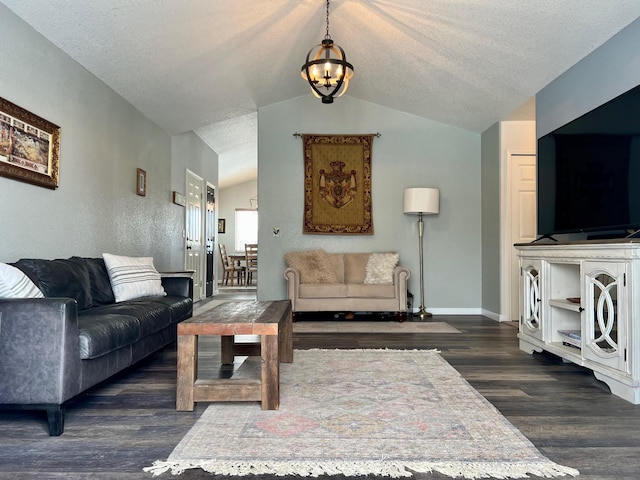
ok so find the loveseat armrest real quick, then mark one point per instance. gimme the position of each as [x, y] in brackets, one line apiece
[401, 276]
[39, 351]
[293, 285]
[176, 285]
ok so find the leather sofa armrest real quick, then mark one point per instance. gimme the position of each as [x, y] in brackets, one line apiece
[293, 285]
[178, 286]
[39, 350]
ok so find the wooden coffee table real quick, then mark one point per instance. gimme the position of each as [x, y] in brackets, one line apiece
[270, 320]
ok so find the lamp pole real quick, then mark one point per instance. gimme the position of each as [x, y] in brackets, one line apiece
[422, 312]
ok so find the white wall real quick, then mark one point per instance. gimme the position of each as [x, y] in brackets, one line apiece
[103, 140]
[412, 152]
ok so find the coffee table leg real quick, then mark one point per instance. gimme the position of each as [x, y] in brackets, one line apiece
[270, 374]
[286, 339]
[227, 343]
[187, 368]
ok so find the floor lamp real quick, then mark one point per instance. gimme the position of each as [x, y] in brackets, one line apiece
[422, 201]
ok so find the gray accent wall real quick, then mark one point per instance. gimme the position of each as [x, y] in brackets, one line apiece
[608, 71]
[491, 219]
[412, 152]
[103, 140]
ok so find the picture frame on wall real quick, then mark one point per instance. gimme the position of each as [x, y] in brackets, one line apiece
[29, 146]
[222, 225]
[141, 182]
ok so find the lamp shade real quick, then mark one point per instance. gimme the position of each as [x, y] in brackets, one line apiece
[422, 200]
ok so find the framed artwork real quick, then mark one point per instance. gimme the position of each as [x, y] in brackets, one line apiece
[141, 182]
[222, 225]
[29, 146]
[179, 199]
[337, 184]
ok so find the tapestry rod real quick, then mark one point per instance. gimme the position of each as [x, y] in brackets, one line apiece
[377, 134]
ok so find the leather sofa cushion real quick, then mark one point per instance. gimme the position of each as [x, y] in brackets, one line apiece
[179, 307]
[101, 292]
[361, 290]
[105, 333]
[153, 316]
[324, 290]
[59, 278]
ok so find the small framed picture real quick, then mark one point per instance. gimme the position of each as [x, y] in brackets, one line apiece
[222, 225]
[141, 182]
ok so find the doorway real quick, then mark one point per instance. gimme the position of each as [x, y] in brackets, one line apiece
[519, 212]
[211, 228]
[195, 245]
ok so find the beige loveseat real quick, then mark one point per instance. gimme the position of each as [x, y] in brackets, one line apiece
[318, 281]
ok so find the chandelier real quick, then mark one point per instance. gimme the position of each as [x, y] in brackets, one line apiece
[327, 69]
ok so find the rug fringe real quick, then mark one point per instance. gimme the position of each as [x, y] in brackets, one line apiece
[467, 470]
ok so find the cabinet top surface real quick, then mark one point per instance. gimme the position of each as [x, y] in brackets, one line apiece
[612, 243]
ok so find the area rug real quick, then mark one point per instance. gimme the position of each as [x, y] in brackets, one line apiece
[361, 412]
[359, 326]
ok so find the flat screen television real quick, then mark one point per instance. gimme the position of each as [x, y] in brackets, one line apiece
[588, 171]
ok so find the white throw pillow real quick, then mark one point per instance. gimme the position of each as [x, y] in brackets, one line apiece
[133, 277]
[15, 284]
[380, 267]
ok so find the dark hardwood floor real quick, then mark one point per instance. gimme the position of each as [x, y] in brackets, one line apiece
[125, 424]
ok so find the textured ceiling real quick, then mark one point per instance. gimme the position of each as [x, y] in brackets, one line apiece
[191, 64]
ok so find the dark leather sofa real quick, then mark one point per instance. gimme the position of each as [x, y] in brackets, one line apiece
[53, 349]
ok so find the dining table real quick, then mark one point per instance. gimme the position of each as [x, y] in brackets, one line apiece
[237, 259]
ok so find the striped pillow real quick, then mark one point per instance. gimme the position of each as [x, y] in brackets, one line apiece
[15, 284]
[133, 277]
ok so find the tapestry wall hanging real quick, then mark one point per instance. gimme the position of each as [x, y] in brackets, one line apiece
[337, 184]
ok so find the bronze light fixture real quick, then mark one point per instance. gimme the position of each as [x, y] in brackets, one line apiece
[327, 69]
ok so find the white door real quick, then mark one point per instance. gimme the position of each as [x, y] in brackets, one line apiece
[522, 218]
[195, 246]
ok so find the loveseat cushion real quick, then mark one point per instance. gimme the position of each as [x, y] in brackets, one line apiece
[101, 292]
[315, 266]
[59, 278]
[326, 290]
[363, 290]
[380, 267]
[354, 267]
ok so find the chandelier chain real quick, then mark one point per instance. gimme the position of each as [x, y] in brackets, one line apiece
[327, 36]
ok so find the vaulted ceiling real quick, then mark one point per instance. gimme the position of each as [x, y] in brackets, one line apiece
[208, 65]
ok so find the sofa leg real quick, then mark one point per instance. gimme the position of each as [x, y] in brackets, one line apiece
[55, 419]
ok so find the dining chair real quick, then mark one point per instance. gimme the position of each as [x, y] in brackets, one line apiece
[251, 261]
[230, 270]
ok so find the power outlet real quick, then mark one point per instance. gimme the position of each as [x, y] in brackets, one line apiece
[276, 232]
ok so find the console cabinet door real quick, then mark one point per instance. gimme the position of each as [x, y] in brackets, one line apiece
[531, 301]
[605, 316]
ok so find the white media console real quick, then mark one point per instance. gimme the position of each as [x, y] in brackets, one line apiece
[581, 301]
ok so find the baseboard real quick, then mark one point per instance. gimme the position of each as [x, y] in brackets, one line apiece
[467, 311]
